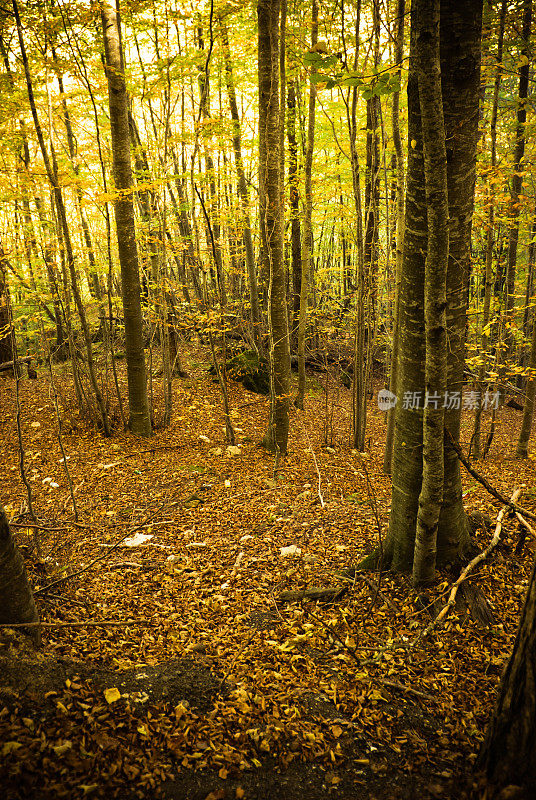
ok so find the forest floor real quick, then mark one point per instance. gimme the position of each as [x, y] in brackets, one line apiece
[202, 684]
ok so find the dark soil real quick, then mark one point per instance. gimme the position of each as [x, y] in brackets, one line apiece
[31, 683]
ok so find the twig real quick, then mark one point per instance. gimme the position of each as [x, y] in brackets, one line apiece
[397, 685]
[111, 623]
[470, 566]
[480, 478]
[378, 593]
[526, 525]
[113, 547]
[311, 450]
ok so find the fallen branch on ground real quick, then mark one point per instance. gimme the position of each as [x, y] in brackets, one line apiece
[330, 593]
[90, 624]
[481, 479]
[113, 547]
[470, 566]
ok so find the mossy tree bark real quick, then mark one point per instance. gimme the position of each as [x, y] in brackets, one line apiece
[16, 598]
[508, 754]
[276, 438]
[435, 286]
[460, 31]
[399, 161]
[140, 420]
[307, 244]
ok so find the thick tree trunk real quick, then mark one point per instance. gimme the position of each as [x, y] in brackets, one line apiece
[508, 754]
[276, 438]
[435, 286]
[461, 29]
[460, 74]
[140, 421]
[16, 597]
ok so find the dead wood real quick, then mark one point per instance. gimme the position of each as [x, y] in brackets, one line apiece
[323, 595]
[481, 479]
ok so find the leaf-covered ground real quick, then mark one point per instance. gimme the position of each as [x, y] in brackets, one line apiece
[204, 685]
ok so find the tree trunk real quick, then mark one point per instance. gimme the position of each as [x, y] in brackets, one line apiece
[397, 142]
[435, 286]
[294, 203]
[490, 237]
[276, 438]
[51, 168]
[519, 153]
[508, 754]
[140, 421]
[530, 393]
[16, 598]
[6, 342]
[460, 74]
[307, 242]
[243, 192]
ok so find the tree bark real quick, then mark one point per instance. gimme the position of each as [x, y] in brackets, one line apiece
[508, 754]
[519, 152]
[399, 156]
[294, 203]
[435, 286]
[16, 598]
[276, 438]
[6, 342]
[490, 236]
[530, 393]
[139, 417]
[307, 243]
[460, 29]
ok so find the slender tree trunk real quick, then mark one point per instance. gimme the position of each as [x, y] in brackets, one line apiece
[399, 160]
[276, 438]
[242, 192]
[519, 153]
[307, 242]
[51, 168]
[490, 238]
[6, 342]
[530, 393]
[294, 203]
[140, 421]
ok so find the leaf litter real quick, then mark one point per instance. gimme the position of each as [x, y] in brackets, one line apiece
[207, 685]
